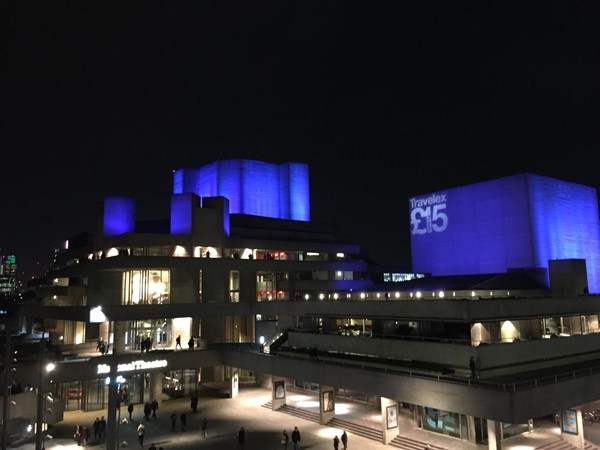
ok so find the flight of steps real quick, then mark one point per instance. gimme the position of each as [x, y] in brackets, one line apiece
[559, 444]
[353, 428]
[350, 427]
[357, 429]
[298, 412]
[413, 444]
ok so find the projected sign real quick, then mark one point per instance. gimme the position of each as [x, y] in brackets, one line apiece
[428, 214]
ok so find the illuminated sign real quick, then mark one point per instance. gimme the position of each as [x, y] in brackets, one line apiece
[134, 365]
[427, 214]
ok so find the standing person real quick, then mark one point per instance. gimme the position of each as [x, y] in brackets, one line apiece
[173, 421]
[241, 437]
[336, 443]
[147, 410]
[473, 367]
[178, 343]
[285, 439]
[154, 407]
[102, 427]
[183, 419]
[191, 344]
[194, 402]
[130, 410]
[96, 427]
[345, 440]
[141, 430]
[296, 438]
[203, 427]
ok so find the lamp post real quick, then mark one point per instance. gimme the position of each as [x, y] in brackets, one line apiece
[7, 374]
[44, 369]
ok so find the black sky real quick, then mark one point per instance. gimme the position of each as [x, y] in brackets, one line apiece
[383, 100]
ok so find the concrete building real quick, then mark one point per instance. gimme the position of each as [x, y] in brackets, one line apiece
[263, 295]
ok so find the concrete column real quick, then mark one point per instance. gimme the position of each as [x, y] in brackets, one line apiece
[390, 422]
[571, 427]
[119, 330]
[494, 429]
[326, 404]
[471, 430]
[156, 385]
[278, 393]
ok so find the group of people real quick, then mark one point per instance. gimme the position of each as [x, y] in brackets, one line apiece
[296, 438]
[191, 343]
[102, 346]
[145, 344]
[83, 434]
[344, 440]
[182, 420]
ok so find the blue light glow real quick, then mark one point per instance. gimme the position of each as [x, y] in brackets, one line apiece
[119, 216]
[520, 221]
[252, 187]
[182, 212]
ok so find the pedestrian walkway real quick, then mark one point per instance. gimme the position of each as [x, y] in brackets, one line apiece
[263, 426]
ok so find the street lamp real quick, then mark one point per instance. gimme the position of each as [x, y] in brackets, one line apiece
[41, 401]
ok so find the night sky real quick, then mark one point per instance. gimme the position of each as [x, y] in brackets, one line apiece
[384, 100]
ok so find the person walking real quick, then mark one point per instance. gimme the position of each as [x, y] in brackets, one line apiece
[178, 343]
[141, 430]
[203, 428]
[183, 419]
[296, 438]
[191, 344]
[241, 437]
[154, 406]
[173, 421]
[85, 436]
[285, 439]
[78, 434]
[336, 443]
[345, 440]
[130, 410]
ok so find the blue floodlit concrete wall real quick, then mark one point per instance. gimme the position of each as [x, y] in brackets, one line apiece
[521, 221]
[252, 187]
[119, 216]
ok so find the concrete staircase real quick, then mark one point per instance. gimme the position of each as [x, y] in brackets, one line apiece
[357, 429]
[559, 444]
[412, 444]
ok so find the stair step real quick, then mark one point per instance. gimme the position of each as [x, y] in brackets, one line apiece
[350, 427]
[413, 444]
[558, 444]
[357, 429]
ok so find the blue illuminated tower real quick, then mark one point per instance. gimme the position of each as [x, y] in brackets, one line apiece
[520, 221]
[256, 188]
